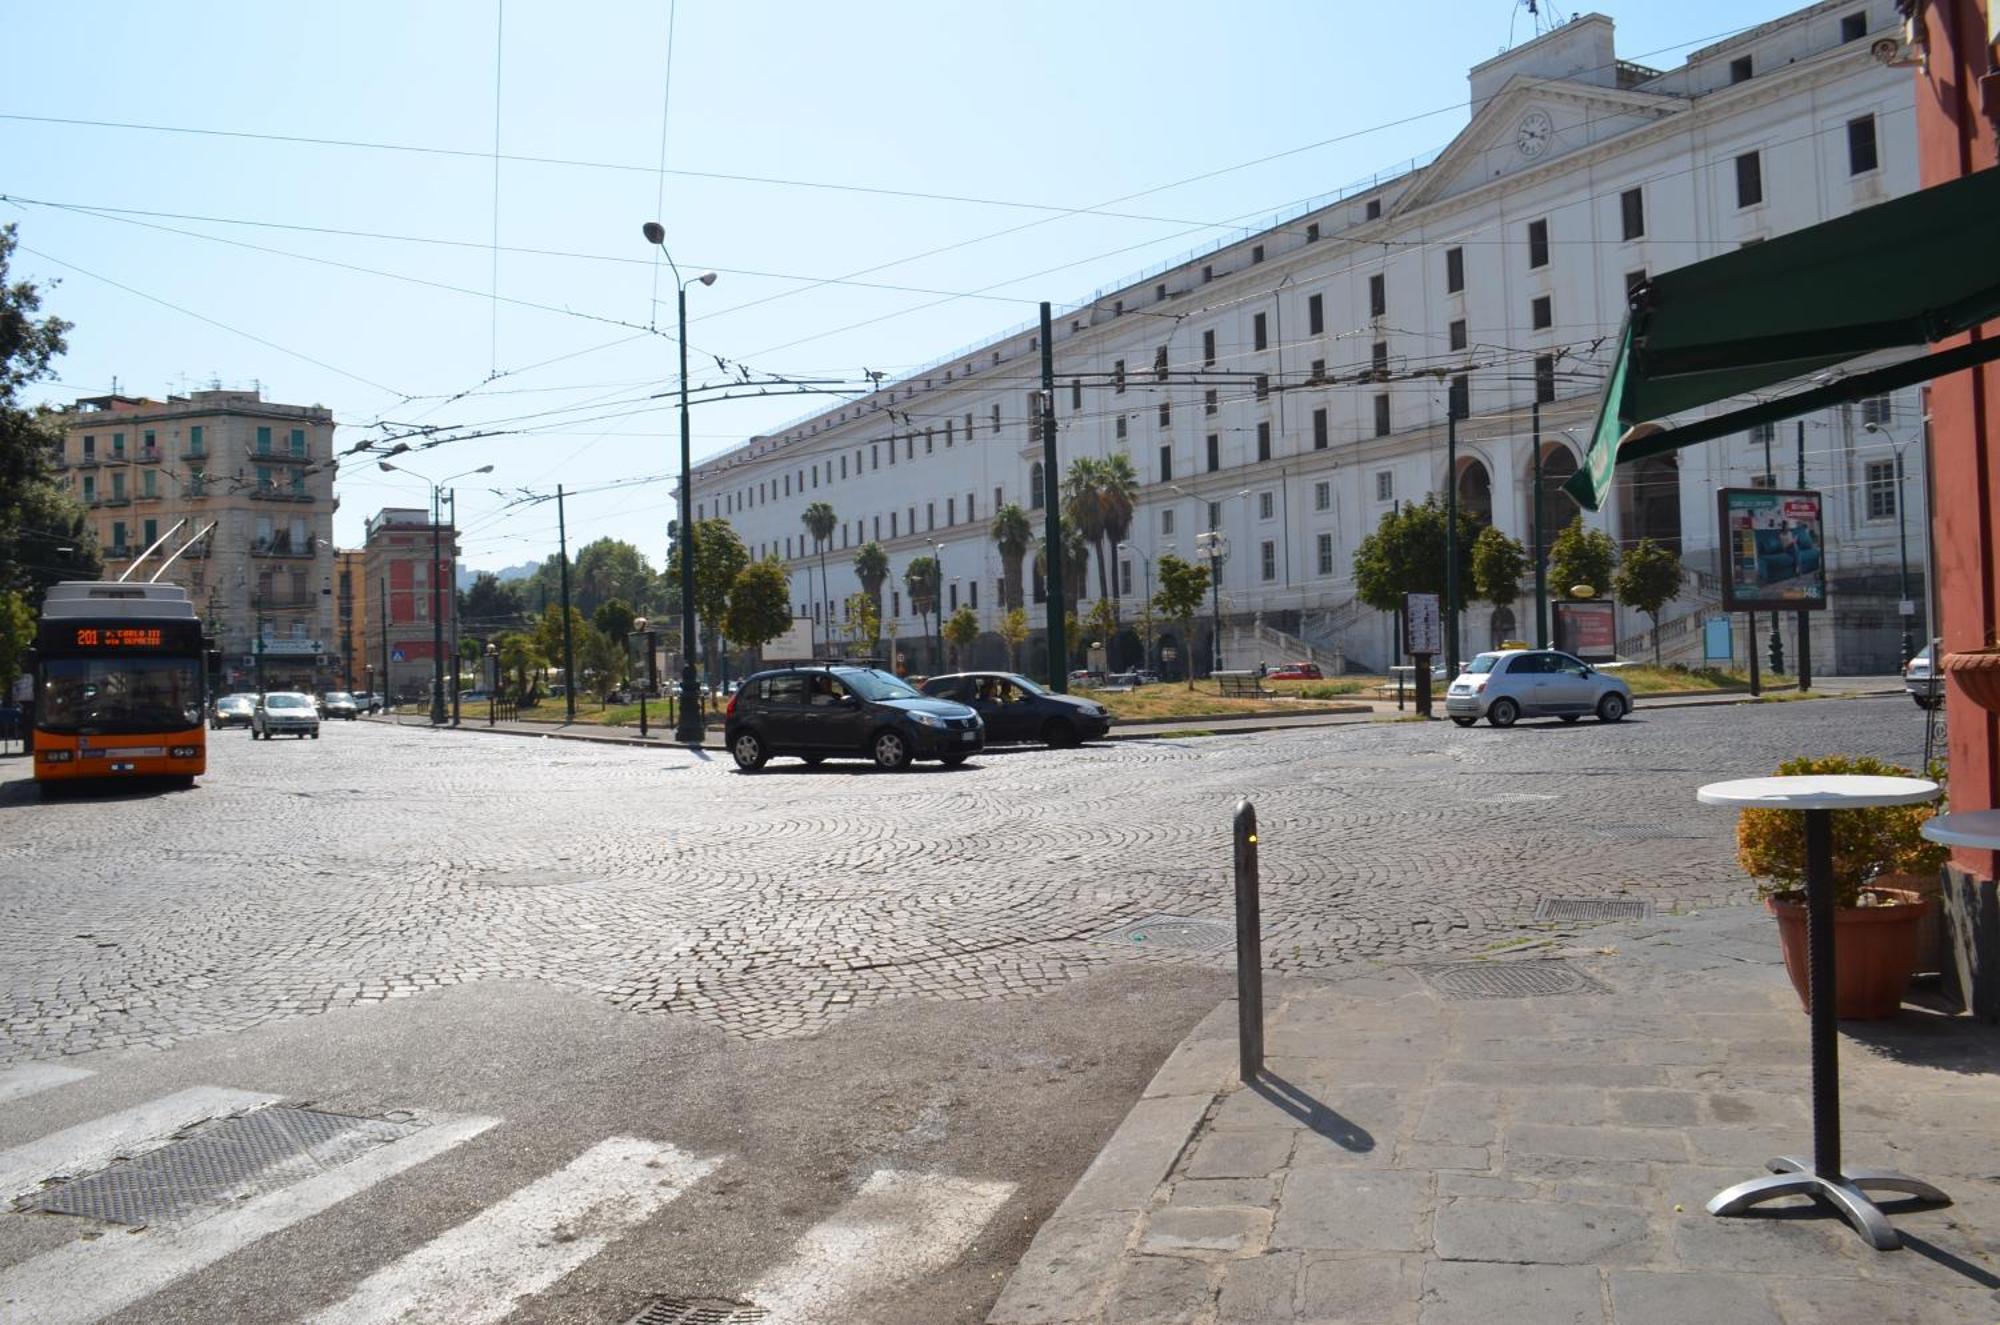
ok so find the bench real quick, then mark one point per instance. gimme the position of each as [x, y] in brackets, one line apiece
[1240, 685]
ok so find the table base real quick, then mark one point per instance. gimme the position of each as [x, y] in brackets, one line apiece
[1845, 1192]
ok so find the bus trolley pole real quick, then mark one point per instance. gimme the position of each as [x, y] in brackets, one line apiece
[1249, 949]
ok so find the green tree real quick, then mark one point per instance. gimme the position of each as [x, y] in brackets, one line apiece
[1406, 554]
[609, 568]
[1014, 629]
[44, 535]
[718, 557]
[871, 567]
[1647, 579]
[760, 605]
[1582, 556]
[1102, 623]
[960, 632]
[1083, 511]
[820, 522]
[490, 603]
[548, 637]
[521, 660]
[1015, 535]
[1076, 564]
[1183, 586]
[920, 581]
[864, 623]
[1117, 497]
[17, 632]
[601, 659]
[614, 620]
[1498, 563]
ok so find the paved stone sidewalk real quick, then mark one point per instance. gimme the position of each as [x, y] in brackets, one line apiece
[1414, 1158]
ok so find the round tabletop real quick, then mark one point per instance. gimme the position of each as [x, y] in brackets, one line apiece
[1966, 828]
[1819, 791]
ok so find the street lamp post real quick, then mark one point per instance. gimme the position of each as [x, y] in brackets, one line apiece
[492, 682]
[438, 715]
[1147, 562]
[688, 729]
[1213, 547]
[1905, 607]
[937, 598]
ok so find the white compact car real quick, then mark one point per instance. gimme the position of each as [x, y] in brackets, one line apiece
[1511, 684]
[284, 713]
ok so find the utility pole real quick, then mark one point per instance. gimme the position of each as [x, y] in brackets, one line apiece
[388, 690]
[1805, 618]
[569, 645]
[1771, 482]
[452, 496]
[437, 618]
[1541, 571]
[1451, 538]
[1052, 521]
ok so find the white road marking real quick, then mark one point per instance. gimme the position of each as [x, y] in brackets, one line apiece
[78, 1150]
[479, 1271]
[897, 1229]
[21, 1082]
[80, 1282]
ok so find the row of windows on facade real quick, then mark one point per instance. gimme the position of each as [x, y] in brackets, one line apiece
[195, 485]
[149, 445]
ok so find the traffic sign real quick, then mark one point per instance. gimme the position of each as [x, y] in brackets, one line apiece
[396, 655]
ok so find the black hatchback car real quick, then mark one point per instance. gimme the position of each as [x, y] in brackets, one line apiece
[1016, 709]
[844, 712]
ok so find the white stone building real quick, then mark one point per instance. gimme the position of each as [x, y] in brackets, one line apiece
[1288, 387]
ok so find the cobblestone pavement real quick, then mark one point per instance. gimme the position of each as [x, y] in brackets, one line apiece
[381, 862]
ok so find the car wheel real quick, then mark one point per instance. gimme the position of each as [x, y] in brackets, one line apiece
[1503, 713]
[1922, 703]
[315, 736]
[1568, 717]
[953, 761]
[1465, 722]
[891, 751]
[748, 749]
[1611, 708]
[1058, 733]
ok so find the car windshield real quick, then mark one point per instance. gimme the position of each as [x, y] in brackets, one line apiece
[1485, 662]
[874, 684]
[235, 702]
[286, 702]
[133, 694]
[1025, 683]
[339, 697]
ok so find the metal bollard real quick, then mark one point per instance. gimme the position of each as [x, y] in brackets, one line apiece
[1249, 949]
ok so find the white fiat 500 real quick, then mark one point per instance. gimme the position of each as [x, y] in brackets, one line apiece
[1512, 684]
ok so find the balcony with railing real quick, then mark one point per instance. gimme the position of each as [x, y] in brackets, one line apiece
[271, 492]
[281, 457]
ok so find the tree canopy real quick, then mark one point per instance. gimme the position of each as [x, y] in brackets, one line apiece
[760, 605]
[1183, 585]
[1406, 554]
[611, 568]
[1498, 563]
[1582, 556]
[1647, 579]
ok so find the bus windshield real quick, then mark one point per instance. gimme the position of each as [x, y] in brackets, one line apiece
[127, 694]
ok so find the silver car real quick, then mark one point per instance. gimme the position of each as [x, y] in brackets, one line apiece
[1921, 679]
[284, 713]
[1512, 684]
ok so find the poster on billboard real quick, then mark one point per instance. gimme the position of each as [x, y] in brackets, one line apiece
[795, 645]
[1773, 549]
[1587, 630]
[1423, 633]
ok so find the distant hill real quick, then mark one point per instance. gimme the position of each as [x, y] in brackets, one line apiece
[466, 575]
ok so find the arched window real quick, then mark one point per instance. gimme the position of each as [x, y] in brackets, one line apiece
[1475, 490]
[1035, 487]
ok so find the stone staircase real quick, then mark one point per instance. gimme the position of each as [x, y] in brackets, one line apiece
[1243, 650]
[1681, 622]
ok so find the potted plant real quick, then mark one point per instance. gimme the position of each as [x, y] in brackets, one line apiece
[1884, 884]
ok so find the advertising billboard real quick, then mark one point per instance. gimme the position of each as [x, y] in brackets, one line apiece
[1423, 632]
[1587, 629]
[795, 645]
[1773, 549]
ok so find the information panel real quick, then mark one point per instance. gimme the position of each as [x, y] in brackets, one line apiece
[1423, 632]
[1774, 549]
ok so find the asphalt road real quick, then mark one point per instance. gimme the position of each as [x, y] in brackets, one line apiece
[869, 1027]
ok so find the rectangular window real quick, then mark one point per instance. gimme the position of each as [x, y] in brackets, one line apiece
[950, 511]
[1256, 254]
[1545, 378]
[1214, 453]
[1538, 243]
[263, 441]
[1378, 295]
[1125, 576]
[1374, 209]
[1266, 506]
[118, 445]
[1385, 485]
[1316, 314]
[1881, 489]
[1263, 385]
[878, 529]
[1875, 410]
[996, 424]
[1861, 156]
[1211, 401]
[1853, 27]
[1325, 548]
[1378, 360]
[149, 484]
[1739, 69]
[1461, 396]
[263, 478]
[972, 587]
[999, 499]
[1259, 337]
[1167, 520]
[118, 484]
[892, 526]
[1166, 414]
[1323, 495]
[89, 447]
[1160, 364]
[930, 515]
[1214, 515]
[1075, 394]
[1317, 373]
[1208, 348]
[930, 443]
[1634, 279]
[152, 533]
[1118, 427]
[1454, 270]
[953, 596]
[1763, 434]
[1320, 431]
[1749, 180]
[194, 440]
[1542, 313]
[90, 487]
[1166, 464]
[1267, 556]
[843, 466]
[149, 442]
[1312, 232]
[1118, 376]
[1382, 414]
[1455, 334]
[118, 548]
[1632, 212]
[1264, 440]
[298, 440]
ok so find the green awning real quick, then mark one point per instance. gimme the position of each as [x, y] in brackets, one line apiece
[1898, 275]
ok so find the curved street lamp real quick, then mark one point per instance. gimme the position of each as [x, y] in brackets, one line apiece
[688, 730]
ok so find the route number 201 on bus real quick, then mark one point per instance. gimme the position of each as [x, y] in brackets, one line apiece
[119, 684]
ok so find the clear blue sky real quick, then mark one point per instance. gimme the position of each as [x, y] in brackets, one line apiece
[1054, 105]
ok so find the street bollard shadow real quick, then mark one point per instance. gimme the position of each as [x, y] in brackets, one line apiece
[1342, 1131]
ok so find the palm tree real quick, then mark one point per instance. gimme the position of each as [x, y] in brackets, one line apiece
[1076, 564]
[1117, 495]
[920, 578]
[819, 521]
[1015, 535]
[871, 567]
[1083, 512]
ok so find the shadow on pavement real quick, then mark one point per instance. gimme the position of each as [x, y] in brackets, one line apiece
[1343, 1132]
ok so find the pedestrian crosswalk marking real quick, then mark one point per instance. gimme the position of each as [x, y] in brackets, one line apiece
[479, 1271]
[85, 1281]
[89, 1146]
[898, 1228]
[20, 1082]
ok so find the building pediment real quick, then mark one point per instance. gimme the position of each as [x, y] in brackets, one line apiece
[1530, 123]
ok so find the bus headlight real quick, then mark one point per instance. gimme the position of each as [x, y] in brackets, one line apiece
[57, 756]
[184, 751]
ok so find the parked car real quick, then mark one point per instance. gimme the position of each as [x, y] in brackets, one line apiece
[1016, 709]
[1295, 671]
[1922, 679]
[844, 712]
[474, 696]
[232, 711]
[284, 713]
[340, 704]
[1528, 683]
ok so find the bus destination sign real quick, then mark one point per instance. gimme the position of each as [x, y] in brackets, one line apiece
[119, 637]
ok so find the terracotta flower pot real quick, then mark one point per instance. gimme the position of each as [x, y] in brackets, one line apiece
[1874, 951]
[1977, 674]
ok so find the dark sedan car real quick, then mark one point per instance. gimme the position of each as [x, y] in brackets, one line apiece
[232, 711]
[841, 712]
[1016, 709]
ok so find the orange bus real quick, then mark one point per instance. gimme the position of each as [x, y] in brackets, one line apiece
[119, 685]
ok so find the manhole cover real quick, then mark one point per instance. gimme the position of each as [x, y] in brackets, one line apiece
[221, 1162]
[1529, 979]
[697, 1311]
[1175, 932]
[1592, 908]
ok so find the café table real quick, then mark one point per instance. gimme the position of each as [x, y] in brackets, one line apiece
[1820, 797]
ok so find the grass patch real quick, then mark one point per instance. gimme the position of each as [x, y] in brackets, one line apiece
[1663, 680]
[1173, 699]
[1178, 733]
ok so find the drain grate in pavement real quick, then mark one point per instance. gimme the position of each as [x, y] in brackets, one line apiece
[222, 1161]
[697, 1311]
[1592, 908]
[1180, 932]
[1520, 979]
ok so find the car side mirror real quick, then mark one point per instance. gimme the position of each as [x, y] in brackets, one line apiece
[849, 701]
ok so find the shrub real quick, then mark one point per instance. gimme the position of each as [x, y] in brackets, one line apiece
[1771, 844]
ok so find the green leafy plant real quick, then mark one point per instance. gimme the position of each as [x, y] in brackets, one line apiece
[1867, 843]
